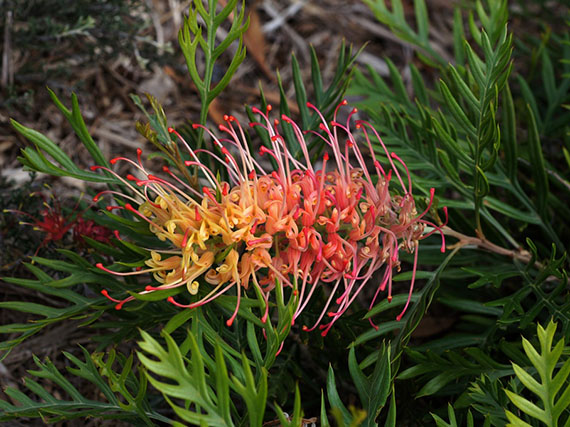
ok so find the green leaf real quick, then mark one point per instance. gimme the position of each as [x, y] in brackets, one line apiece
[509, 134]
[334, 398]
[545, 360]
[373, 390]
[396, 21]
[186, 382]
[421, 19]
[191, 38]
[52, 408]
[76, 120]
[537, 162]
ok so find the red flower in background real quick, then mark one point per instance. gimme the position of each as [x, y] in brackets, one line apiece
[88, 228]
[55, 225]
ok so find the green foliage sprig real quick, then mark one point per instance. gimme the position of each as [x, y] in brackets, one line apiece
[552, 389]
[192, 40]
[53, 409]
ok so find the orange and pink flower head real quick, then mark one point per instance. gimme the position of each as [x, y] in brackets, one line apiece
[295, 226]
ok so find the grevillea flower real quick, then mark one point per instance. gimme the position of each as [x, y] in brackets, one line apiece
[296, 226]
[55, 225]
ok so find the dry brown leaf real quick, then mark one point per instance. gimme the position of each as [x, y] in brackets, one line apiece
[254, 40]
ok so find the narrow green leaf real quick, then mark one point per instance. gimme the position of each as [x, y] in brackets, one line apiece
[78, 124]
[44, 143]
[537, 162]
[527, 406]
[509, 134]
[456, 110]
[458, 36]
[548, 77]
[422, 20]
[334, 398]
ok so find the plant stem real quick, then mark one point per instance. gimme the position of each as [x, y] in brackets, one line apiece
[482, 243]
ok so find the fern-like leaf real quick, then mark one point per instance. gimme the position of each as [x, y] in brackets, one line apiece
[553, 390]
[51, 407]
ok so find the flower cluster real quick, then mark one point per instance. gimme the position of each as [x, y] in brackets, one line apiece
[296, 226]
[55, 224]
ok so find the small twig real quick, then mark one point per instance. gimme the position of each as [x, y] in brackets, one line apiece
[482, 243]
[7, 78]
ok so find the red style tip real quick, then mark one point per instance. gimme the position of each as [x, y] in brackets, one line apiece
[354, 110]
[105, 293]
[295, 292]
[229, 322]
[399, 317]
[344, 102]
[226, 117]
[171, 130]
[119, 306]
[100, 265]
[113, 161]
[165, 169]
[95, 199]
[276, 122]
[446, 216]
[305, 328]
[326, 157]
[148, 288]
[94, 168]
[139, 151]
[187, 163]
[116, 234]
[195, 125]
[389, 298]
[269, 107]
[131, 177]
[171, 300]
